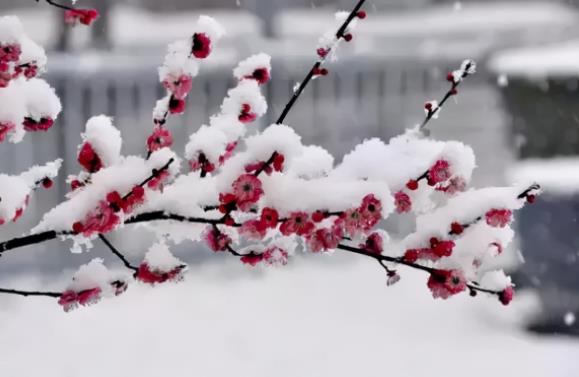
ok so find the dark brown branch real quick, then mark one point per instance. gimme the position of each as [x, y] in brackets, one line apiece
[116, 252]
[317, 64]
[30, 240]
[29, 293]
[472, 286]
[161, 215]
[57, 5]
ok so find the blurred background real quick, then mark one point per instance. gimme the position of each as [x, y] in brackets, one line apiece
[519, 112]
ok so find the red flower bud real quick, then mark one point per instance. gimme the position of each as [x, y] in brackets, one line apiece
[433, 242]
[47, 183]
[456, 228]
[318, 216]
[77, 227]
[412, 184]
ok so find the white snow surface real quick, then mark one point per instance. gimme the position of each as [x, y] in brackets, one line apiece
[300, 320]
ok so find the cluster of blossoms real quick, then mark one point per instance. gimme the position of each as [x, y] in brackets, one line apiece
[15, 190]
[263, 196]
[212, 145]
[181, 65]
[80, 16]
[90, 283]
[29, 104]
[104, 217]
[160, 266]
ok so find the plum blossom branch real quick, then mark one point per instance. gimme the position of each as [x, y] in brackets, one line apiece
[316, 67]
[155, 174]
[433, 108]
[214, 144]
[314, 71]
[52, 234]
[472, 286]
[529, 194]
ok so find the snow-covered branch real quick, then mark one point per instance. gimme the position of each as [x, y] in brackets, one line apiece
[261, 196]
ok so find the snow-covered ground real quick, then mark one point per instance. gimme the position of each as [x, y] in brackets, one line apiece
[303, 320]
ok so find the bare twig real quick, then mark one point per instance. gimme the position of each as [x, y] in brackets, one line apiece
[116, 252]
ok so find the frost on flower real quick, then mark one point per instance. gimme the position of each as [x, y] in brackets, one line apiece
[245, 101]
[101, 144]
[15, 190]
[446, 283]
[328, 43]
[256, 67]
[160, 266]
[28, 104]
[181, 66]
[468, 67]
[432, 109]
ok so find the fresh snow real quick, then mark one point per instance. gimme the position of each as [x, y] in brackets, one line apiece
[300, 320]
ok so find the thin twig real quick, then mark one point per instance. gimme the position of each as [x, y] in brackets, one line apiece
[317, 64]
[57, 5]
[116, 252]
[450, 93]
